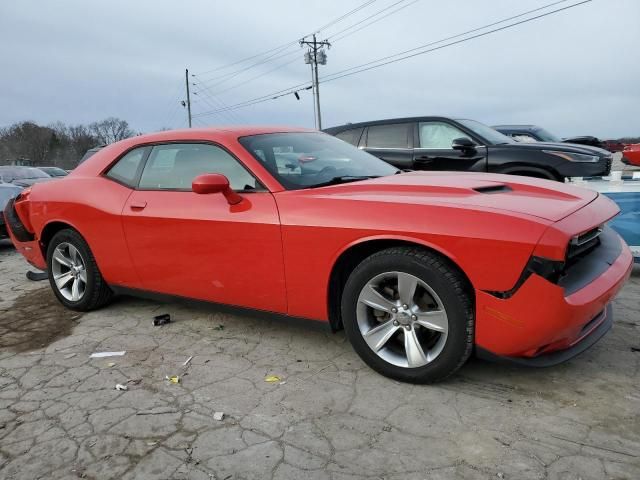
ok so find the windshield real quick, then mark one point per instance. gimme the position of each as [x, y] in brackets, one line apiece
[492, 136]
[9, 174]
[303, 160]
[547, 136]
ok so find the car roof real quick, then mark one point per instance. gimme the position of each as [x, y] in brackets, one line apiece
[348, 126]
[517, 127]
[225, 135]
[222, 131]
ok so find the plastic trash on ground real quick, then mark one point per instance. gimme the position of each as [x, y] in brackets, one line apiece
[160, 320]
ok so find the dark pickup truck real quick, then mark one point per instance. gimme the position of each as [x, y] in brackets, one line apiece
[442, 143]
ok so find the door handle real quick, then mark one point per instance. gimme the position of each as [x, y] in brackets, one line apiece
[139, 205]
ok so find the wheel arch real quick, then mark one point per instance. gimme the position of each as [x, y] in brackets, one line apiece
[354, 253]
[50, 229]
[531, 171]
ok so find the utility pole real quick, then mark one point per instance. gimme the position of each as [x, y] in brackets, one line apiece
[186, 79]
[316, 55]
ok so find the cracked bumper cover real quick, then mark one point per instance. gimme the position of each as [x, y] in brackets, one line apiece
[542, 324]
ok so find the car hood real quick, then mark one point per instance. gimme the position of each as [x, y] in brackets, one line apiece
[560, 147]
[544, 199]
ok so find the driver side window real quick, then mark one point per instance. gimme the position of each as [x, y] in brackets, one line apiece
[174, 166]
[438, 135]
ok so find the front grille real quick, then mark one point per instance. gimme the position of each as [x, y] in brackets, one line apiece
[583, 244]
[608, 168]
[589, 255]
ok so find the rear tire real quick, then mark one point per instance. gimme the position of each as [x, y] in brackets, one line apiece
[73, 273]
[409, 314]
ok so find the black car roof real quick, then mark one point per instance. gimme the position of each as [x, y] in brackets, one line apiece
[524, 128]
[349, 126]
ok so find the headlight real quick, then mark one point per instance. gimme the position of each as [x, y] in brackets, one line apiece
[574, 157]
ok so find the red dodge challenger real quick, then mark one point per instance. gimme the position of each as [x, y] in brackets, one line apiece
[420, 268]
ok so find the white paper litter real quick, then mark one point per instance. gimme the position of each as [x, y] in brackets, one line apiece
[106, 354]
[187, 361]
[121, 387]
[219, 416]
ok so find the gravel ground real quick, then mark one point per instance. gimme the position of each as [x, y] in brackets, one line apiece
[330, 416]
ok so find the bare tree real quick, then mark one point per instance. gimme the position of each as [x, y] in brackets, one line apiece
[81, 139]
[27, 140]
[111, 130]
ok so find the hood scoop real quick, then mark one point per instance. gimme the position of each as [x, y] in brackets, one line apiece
[493, 189]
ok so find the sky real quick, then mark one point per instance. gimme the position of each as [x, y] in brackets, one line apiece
[575, 72]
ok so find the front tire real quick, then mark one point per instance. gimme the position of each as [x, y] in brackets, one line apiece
[73, 273]
[409, 314]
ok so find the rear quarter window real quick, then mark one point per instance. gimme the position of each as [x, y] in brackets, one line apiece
[127, 169]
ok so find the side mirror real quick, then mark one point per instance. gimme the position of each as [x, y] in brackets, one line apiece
[215, 183]
[463, 143]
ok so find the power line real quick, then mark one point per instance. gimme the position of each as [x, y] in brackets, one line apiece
[244, 82]
[173, 107]
[229, 75]
[372, 22]
[279, 49]
[351, 12]
[484, 27]
[367, 18]
[466, 39]
[376, 64]
[206, 98]
[277, 53]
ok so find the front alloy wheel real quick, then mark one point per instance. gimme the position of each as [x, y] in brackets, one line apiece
[408, 312]
[402, 319]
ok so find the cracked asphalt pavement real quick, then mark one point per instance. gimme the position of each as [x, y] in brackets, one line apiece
[330, 416]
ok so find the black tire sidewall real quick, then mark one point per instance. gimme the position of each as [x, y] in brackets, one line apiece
[457, 306]
[74, 238]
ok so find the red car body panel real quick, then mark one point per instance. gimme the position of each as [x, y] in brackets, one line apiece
[631, 154]
[276, 249]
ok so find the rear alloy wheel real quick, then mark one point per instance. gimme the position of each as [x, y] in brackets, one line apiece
[408, 314]
[69, 272]
[73, 272]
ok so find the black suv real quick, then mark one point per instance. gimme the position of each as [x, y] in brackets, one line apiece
[441, 143]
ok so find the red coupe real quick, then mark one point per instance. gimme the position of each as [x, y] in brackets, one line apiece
[631, 154]
[420, 268]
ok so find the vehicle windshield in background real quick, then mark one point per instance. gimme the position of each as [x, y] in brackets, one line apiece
[303, 160]
[9, 174]
[54, 171]
[7, 192]
[493, 136]
[90, 153]
[547, 136]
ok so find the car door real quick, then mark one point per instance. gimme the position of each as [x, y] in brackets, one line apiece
[198, 245]
[433, 150]
[391, 142]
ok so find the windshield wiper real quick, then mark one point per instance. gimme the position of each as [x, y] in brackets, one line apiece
[344, 179]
